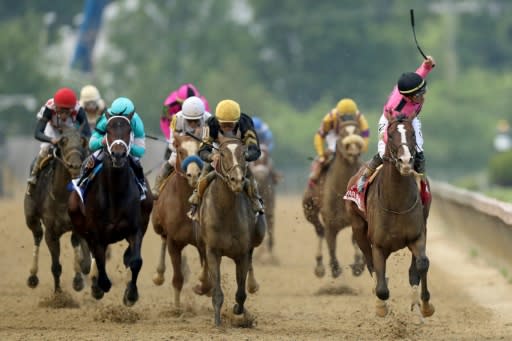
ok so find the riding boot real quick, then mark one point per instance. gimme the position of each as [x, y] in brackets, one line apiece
[32, 180]
[204, 180]
[419, 163]
[251, 188]
[87, 166]
[375, 162]
[165, 171]
[316, 168]
[139, 174]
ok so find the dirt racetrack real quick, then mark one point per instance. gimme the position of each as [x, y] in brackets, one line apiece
[473, 301]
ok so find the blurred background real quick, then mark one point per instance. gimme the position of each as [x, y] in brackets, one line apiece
[286, 61]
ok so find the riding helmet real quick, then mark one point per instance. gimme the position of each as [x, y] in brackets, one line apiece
[410, 83]
[346, 106]
[193, 108]
[65, 98]
[227, 111]
[121, 106]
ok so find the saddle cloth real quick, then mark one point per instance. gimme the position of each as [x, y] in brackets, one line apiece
[360, 197]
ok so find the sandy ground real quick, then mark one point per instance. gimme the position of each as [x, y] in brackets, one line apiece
[473, 301]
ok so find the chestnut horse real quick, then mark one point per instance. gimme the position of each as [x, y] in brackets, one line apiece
[47, 203]
[170, 219]
[113, 210]
[228, 225]
[395, 217]
[325, 201]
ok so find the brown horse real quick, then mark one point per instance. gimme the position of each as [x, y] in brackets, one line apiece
[47, 203]
[267, 178]
[395, 217]
[228, 225]
[328, 204]
[113, 210]
[170, 219]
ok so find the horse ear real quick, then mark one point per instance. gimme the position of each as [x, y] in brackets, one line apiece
[131, 115]
[177, 140]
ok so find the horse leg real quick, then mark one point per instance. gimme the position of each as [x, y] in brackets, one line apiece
[34, 224]
[330, 238]
[358, 266]
[102, 281]
[252, 284]
[158, 277]
[242, 267]
[78, 281]
[360, 235]
[132, 258]
[206, 286]
[177, 276]
[381, 289]
[96, 292]
[53, 243]
[270, 228]
[311, 212]
[418, 249]
[214, 260]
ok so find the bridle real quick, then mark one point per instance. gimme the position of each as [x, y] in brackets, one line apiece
[223, 172]
[118, 141]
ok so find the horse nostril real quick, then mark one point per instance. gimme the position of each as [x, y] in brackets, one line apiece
[232, 179]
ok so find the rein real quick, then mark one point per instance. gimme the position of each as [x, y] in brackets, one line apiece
[413, 206]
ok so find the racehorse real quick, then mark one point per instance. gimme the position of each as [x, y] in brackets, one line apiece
[267, 178]
[170, 219]
[228, 225]
[113, 210]
[47, 203]
[395, 217]
[328, 202]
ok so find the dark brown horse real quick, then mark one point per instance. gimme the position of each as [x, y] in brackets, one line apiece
[228, 225]
[113, 210]
[170, 219]
[267, 178]
[395, 217]
[324, 206]
[48, 203]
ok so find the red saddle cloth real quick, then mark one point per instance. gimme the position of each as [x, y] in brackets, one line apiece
[360, 198]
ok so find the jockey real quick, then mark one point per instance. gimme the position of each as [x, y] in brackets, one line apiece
[93, 104]
[264, 133]
[192, 116]
[345, 110]
[62, 110]
[173, 104]
[120, 106]
[406, 98]
[230, 122]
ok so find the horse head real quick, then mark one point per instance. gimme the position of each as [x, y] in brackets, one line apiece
[71, 150]
[187, 161]
[401, 144]
[350, 143]
[118, 138]
[232, 165]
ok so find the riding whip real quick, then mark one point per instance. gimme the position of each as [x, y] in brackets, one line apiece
[414, 34]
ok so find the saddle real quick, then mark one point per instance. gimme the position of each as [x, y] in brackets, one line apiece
[359, 198]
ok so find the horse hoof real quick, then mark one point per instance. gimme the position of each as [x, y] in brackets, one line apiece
[32, 281]
[85, 266]
[242, 320]
[200, 289]
[336, 272]
[97, 293]
[104, 284]
[427, 309]
[320, 271]
[253, 288]
[357, 269]
[158, 279]
[131, 295]
[78, 283]
[381, 309]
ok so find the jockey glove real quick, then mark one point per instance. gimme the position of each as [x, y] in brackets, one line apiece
[252, 153]
[419, 162]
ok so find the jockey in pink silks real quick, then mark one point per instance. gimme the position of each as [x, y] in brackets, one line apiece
[407, 99]
[173, 104]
